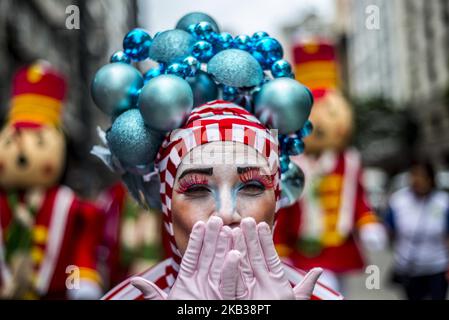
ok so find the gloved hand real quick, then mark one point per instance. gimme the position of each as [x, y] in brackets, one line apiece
[373, 236]
[262, 276]
[209, 268]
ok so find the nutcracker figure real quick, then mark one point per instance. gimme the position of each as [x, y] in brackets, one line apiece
[48, 236]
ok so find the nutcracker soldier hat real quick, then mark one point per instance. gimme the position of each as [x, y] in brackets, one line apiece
[38, 92]
[206, 80]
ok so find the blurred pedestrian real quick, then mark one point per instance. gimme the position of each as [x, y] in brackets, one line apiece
[418, 217]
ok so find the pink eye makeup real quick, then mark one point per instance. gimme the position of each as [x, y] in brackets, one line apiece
[254, 175]
[192, 183]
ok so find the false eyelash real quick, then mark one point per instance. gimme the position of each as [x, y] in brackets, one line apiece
[253, 174]
[191, 180]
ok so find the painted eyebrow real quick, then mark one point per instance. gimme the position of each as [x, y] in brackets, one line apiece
[242, 170]
[205, 171]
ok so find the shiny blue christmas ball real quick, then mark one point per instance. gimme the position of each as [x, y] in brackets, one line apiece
[152, 73]
[258, 36]
[235, 68]
[115, 88]
[120, 56]
[242, 42]
[281, 68]
[306, 130]
[229, 93]
[165, 102]
[223, 41]
[171, 46]
[194, 18]
[284, 104]
[267, 51]
[193, 65]
[177, 69]
[136, 44]
[295, 146]
[284, 161]
[131, 141]
[203, 51]
[204, 31]
[203, 87]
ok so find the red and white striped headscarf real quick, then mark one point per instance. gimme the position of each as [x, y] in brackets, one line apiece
[214, 121]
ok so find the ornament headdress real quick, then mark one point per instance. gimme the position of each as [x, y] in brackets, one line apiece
[197, 65]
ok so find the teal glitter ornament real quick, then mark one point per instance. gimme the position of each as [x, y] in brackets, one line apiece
[115, 88]
[136, 44]
[194, 18]
[177, 69]
[203, 51]
[192, 64]
[281, 68]
[120, 56]
[284, 104]
[292, 184]
[203, 31]
[242, 42]
[203, 87]
[267, 51]
[165, 102]
[131, 141]
[171, 46]
[235, 68]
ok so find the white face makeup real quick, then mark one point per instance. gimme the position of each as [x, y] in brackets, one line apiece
[225, 179]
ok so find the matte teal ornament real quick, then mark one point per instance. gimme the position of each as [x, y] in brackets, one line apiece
[203, 87]
[283, 104]
[115, 88]
[165, 102]
[194, 18]
[131, 141]
[171, 46]
[235, 68]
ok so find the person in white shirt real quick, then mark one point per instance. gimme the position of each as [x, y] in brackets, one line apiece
[418, 217]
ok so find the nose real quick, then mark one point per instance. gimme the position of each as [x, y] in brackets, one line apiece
[22, 161]
[226, 209]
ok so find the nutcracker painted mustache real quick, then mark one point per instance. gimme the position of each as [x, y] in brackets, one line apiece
[197, 136]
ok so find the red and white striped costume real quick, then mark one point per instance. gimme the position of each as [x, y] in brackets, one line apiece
[214, 121]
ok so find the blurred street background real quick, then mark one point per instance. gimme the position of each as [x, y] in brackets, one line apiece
[391, 62]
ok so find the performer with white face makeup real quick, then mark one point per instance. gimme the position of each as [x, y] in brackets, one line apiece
[218, 166]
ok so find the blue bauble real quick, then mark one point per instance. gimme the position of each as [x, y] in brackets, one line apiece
[235, 68]
[152, 73]
[258, 36]
[131, 141]
[242, 42]
[137, 44]
[120, 56]
[204, 31]
[115, 88]
[178, 69]
[194, 18]
[203, 87]
[284, 161]
[223, 41]
[281, 68]
[192, 64]
[283, 104]
[171, 46]
[292, 184]
[267, 51]
[165, 102]
[203, 51]
[295, 146]
[229, 93]
[306, 130]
